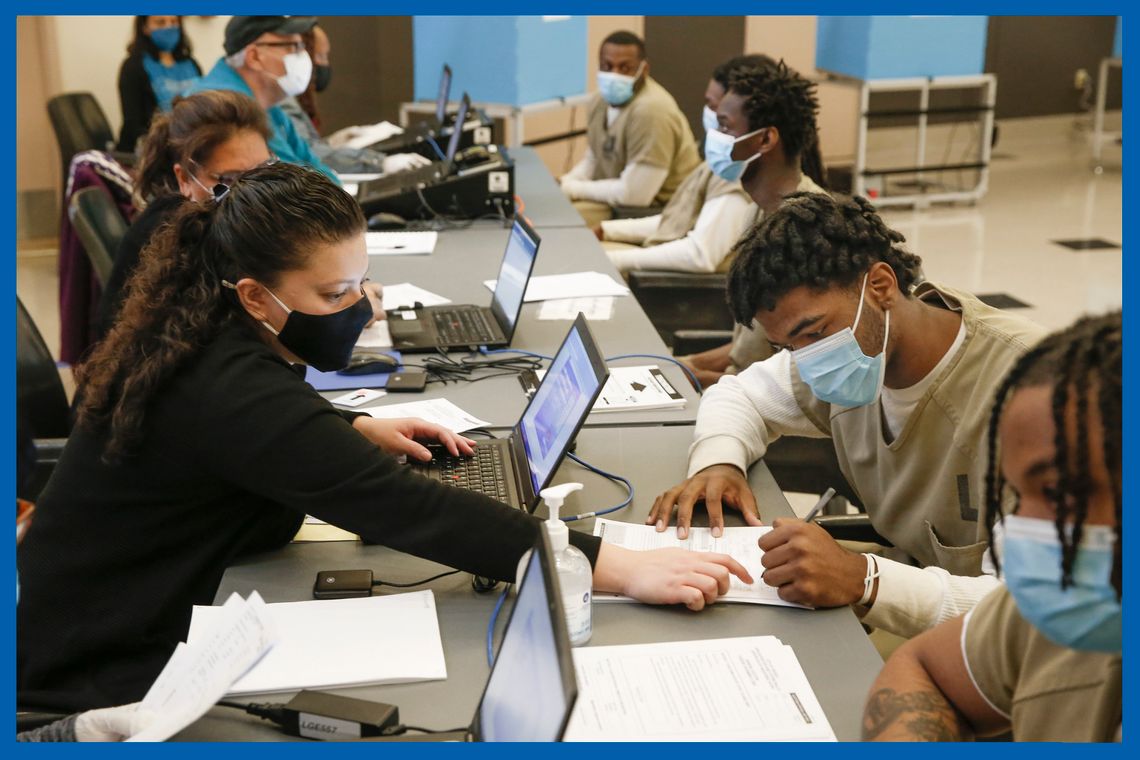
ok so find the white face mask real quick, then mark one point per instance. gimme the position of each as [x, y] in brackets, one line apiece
[298, 71]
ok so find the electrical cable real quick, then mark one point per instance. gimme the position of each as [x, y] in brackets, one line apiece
[485, 350]
[604, 474]
[435, 147]
[692, 378]
[404, 728]
[414, 583]
[491, 625]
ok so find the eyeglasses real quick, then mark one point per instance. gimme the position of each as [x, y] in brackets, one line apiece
[228, 178]
[290, 47]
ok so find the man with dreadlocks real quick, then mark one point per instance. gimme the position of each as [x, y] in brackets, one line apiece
[764, 134]
[1040, 657]
[899, 377]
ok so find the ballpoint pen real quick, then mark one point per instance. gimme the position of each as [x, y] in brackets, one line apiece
[819, 505]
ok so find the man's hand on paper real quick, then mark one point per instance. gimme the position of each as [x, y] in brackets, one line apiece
[397, 437]
[112, 724]
[374, 291]
[717, 485]
[807, 566]
[402, 162]
[666, 576]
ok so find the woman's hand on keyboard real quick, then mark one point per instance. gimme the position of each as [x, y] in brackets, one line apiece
[398, 436]
[666, 576]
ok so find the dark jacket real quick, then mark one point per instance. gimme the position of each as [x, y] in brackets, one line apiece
[136, 96]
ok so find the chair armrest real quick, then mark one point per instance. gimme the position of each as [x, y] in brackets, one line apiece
[851, 528]
[687, 342]
[635, 212]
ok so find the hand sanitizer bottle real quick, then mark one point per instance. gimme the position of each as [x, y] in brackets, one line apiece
[575, 576]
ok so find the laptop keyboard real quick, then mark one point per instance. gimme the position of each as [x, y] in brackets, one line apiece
[485, 472]
[459, 327]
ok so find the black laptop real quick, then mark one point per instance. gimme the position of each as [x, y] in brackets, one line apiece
[425, 175]
[466, 326]
[532, 688]
[515, 469]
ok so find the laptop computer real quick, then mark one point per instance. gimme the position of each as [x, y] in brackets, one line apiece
[466, 326]
[532, 688]
[426, 175]
[516, 468]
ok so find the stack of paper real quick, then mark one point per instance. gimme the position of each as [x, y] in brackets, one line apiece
[438, 410]
[198, 674]
[375, 335]
[344, 642]
[573, 285]
[743, 689]
[596, 308]
[738, 543]
[638, 388]
[406, 295]
[400, 243]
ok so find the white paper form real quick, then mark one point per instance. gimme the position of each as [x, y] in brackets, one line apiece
[740, 689]
[376, 335]
[738, 543]
[400, 243]
[573, 285]
[596, 308]
[199, 674]
[345, 642]
[405, 294]
[437, 410]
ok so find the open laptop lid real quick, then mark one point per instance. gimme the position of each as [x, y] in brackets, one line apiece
[456, 131]
[444, 93]
[532, 687]
[557, 410]
[514, 275]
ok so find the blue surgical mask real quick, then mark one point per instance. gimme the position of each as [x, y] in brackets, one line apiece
[1087, 615]
[718, 154]
[166, 39]
[708, 120]
[617, 89]
[837, 370]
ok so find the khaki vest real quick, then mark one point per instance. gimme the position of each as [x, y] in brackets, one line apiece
[924, 490]
[680, 215]
[1050, 692]
[651, 130]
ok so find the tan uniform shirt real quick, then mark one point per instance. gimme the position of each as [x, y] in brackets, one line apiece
[1049, 692]
[651, 130]
[681, 212]
[923, 491]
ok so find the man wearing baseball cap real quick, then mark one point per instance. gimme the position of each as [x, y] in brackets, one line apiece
[266, 60]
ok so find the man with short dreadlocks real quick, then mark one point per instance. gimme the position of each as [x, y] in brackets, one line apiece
[1041, 656]
[900, 377]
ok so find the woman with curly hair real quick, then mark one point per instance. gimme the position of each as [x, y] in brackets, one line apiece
[198, 441]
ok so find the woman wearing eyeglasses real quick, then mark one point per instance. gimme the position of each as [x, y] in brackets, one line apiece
[207, 139]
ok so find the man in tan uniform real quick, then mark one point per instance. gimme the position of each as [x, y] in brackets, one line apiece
[901, 380]
[639, 145]
[1040, 656]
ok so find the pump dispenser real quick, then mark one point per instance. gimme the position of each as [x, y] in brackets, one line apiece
[575, 575]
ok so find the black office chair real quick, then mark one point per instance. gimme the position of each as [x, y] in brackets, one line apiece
[635, 212]
[79, 124]
[676, 301]
[40, 398]
[100, 227]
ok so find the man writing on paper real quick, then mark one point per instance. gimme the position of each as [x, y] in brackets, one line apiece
[901, 378]
[639, 145]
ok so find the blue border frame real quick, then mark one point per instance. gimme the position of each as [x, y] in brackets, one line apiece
[582, 7]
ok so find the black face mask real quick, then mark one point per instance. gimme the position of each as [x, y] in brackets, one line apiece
[323, 341]
[322, 75]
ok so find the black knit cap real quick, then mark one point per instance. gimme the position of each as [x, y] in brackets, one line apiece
[242, 30]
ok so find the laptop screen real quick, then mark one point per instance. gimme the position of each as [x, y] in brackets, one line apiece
[444, 92]
[457, 129]
[518, 262]
[561, 403]
[532, 687]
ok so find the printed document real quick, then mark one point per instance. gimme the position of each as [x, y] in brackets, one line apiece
[405, 295]
[400, 243]
[573, 285]
[738, 543]
[437, 410]
[596, 308]
[742, 689]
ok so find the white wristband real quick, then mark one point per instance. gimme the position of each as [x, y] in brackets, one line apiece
[869, 580]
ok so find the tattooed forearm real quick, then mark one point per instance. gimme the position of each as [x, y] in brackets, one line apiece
[912, 716]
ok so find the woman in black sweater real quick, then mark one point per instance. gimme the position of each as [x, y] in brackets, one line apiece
[198, 441]
[158, 67]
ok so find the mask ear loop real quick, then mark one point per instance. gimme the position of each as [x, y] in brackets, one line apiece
[266, 325]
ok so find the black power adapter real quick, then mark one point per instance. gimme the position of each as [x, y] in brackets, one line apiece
[342, 584]
[328, 717]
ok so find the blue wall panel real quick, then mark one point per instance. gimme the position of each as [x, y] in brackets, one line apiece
[892, 47]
